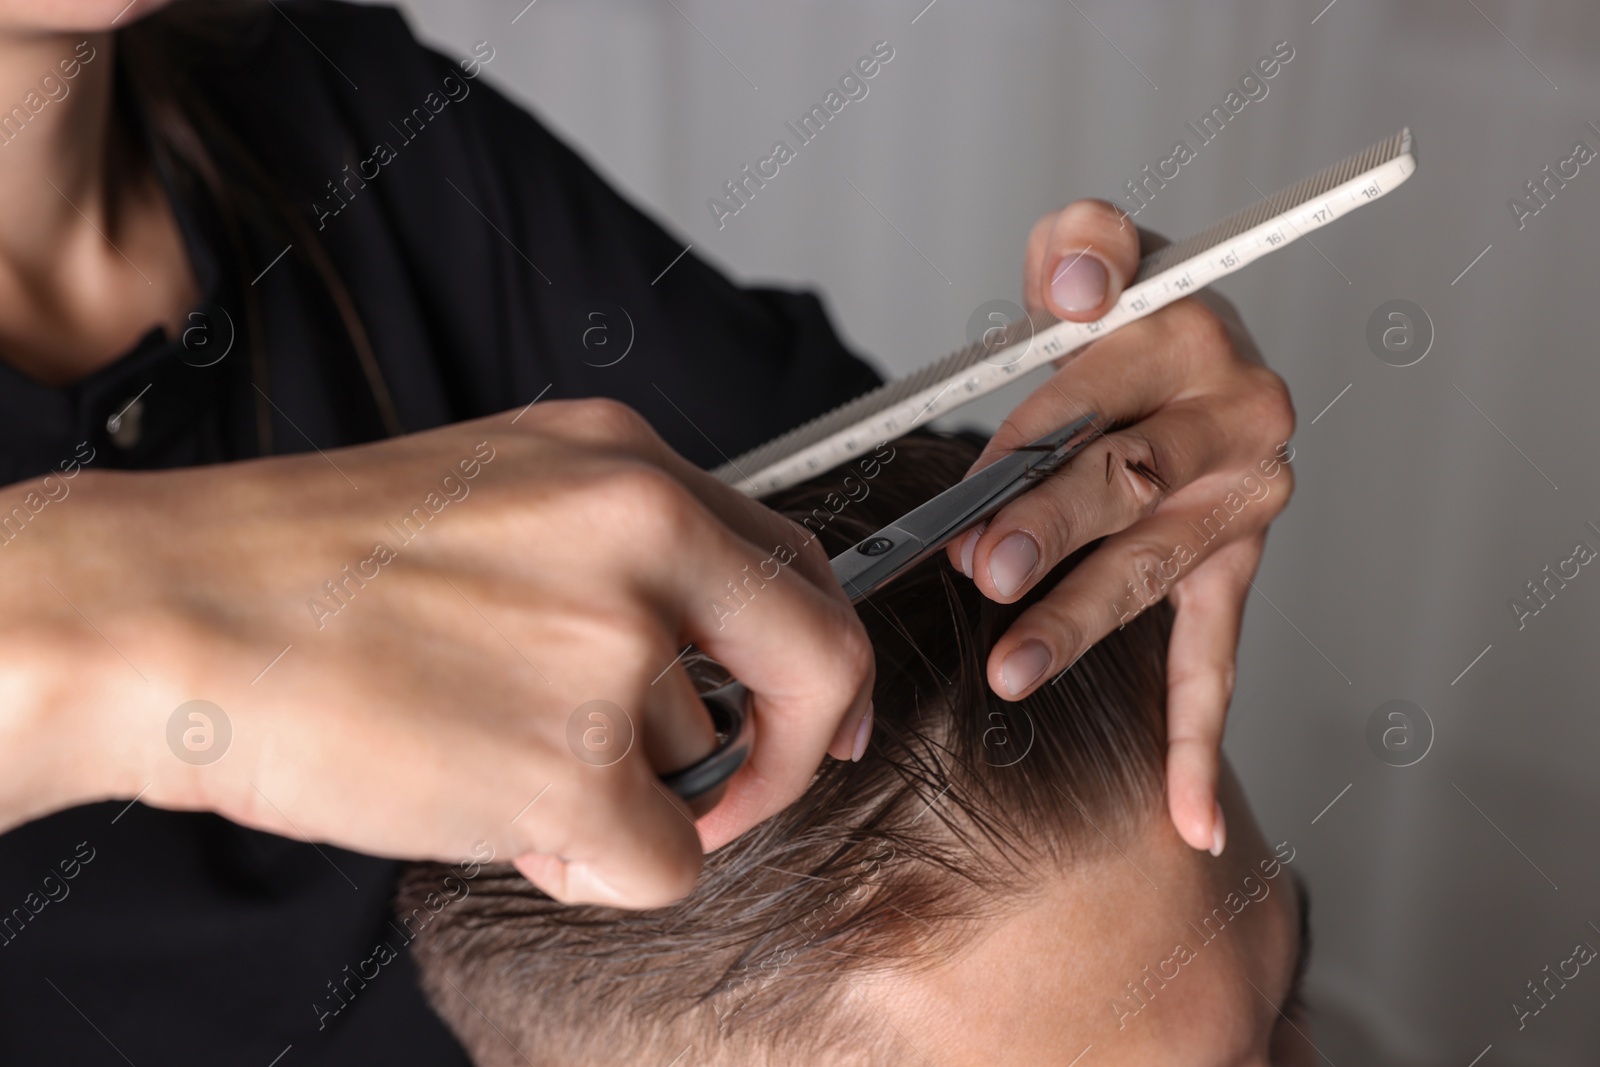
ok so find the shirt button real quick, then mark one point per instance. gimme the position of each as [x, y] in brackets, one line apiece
[124, 426]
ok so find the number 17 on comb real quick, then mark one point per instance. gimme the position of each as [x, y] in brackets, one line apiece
[1008, 352]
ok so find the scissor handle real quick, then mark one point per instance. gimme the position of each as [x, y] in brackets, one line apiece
[735, 726]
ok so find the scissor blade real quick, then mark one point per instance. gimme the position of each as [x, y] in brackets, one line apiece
[867, 565]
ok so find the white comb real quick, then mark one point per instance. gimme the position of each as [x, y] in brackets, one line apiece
[895, 408]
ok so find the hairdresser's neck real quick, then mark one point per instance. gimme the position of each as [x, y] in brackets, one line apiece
[53, 168]
[91, 256]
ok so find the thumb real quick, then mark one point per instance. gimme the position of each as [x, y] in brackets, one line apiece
[1080, 259]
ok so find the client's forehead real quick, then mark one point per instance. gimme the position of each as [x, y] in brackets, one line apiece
[1148, 951]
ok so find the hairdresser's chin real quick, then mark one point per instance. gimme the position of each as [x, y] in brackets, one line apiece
[26, 17]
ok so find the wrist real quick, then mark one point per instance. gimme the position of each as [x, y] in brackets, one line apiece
[63, 709]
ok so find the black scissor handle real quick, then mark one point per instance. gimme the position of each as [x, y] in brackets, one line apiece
[730, 715]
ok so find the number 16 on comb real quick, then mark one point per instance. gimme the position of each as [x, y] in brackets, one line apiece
[1008, 352]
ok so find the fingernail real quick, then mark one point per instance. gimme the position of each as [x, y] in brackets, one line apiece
[863, 734]
[969, 543]
[1079, 283]
[1024, 666]
[1011, 562]
[1219, 832]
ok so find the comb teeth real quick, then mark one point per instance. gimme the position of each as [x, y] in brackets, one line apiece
[886, 396]
[877, 401]
[1284, 201]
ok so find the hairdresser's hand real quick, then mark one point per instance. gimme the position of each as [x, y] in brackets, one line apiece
[1208, 424]
[411, 700]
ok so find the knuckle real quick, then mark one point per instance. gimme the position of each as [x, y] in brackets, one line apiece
[677, 882]
[1053, 514]
[1145, 556]
[812, 551]
[1204, 689]
[848, 652]
[1220, 304]
[1274, 407]
[1136, 449]
[857, 674]
[1099, 214]
[854, 649]
[597, 420]
[1285, 487]
[1153, 571]
[1101, 225]
[1209, 676]
[641, 500]
[553, 831]
[1202, 331]
[637, 640]
[1066, 622]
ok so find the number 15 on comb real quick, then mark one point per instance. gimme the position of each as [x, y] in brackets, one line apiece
[1008, 352]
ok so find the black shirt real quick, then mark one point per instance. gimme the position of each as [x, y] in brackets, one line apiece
[477, 252]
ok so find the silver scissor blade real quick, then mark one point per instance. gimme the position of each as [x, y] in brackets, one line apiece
[869, 564]
[863, 567]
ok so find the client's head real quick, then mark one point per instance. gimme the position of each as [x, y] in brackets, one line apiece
[994, 882]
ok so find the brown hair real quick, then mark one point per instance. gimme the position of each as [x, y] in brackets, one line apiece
[202, 156]
[960, 800]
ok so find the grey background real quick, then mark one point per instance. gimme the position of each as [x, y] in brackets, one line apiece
[1428, 495]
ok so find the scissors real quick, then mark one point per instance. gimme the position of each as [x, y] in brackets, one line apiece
[873, 562]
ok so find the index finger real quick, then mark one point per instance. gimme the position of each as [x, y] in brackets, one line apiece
[801, 652]
[806, 660]
[622, 838]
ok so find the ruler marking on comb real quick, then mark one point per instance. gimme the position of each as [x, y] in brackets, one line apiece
[1168, 274]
